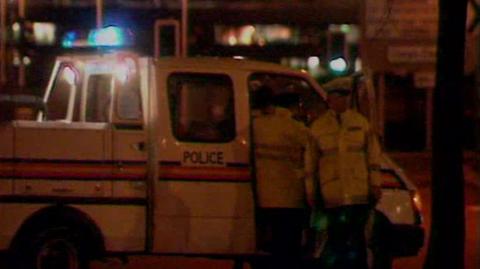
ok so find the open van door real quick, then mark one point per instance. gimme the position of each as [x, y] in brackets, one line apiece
[365, 100]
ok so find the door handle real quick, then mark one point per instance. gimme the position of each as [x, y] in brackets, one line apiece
[140, 146]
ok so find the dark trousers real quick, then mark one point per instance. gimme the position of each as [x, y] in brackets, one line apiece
[281, 234]
[346, 244]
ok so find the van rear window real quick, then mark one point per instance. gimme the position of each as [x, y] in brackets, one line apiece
[202, 107]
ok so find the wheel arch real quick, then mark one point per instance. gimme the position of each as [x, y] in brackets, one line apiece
[61, 215]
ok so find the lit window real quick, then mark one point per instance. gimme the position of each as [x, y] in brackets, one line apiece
[255, 35]
[99, 93]
[61, 94]
[44, 33]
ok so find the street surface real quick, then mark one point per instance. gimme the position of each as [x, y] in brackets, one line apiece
[417, 168]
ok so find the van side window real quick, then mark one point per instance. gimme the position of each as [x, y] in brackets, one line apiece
[292, 92]
[129, 104]
[62, 95]
[99, 97]
[201, 107]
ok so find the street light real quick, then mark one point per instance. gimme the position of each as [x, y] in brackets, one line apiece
[3, 47]
[99, 13]
[184, 27]
[21, 68]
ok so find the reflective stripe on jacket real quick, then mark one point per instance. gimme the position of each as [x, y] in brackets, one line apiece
[349, 157]
[283, 160]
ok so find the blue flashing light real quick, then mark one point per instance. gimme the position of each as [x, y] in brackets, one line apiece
[110, 36]
[69, 39]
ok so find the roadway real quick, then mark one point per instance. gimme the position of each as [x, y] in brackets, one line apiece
[417, 168]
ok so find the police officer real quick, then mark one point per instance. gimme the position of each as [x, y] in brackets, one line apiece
[349, 156]
[284, 171]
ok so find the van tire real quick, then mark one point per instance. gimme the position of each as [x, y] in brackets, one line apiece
[53, 248]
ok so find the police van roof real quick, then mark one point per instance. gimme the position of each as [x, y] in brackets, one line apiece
[224, 63]
[192, 62]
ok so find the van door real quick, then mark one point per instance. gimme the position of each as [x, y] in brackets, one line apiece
[129, 154]
[58, 156]
[203, 196]
[365, 99]
[129, 139]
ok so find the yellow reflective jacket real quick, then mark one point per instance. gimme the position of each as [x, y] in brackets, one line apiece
[283, 160]
[348, 158]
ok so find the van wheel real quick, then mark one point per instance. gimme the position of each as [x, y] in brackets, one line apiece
[57, 248]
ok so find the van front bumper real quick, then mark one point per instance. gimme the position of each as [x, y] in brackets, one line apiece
[406, 240]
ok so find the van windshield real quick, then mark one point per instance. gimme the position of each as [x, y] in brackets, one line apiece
[291, 92]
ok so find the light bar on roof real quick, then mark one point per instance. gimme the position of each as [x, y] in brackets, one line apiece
[110, 36]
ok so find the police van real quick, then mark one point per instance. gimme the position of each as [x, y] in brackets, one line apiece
[134, 155]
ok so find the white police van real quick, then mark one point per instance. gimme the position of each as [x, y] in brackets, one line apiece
[133, 155]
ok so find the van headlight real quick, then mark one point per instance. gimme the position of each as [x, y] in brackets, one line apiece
[417, 206]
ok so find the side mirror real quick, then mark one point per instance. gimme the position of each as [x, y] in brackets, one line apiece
[20, 107]
[6, 108]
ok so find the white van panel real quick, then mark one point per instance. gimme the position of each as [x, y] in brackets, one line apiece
[204, 235]
[63, 188]
[122, 226]
[204, 217]
[396, 205]
[129, 189]
[6, 186]
[6, 141]
[192, 199]
[72, 141]
[129, 145]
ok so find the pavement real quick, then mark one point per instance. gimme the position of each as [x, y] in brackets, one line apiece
[417, 167]
[416, 164]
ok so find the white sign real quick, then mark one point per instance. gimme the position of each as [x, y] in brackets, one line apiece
[411, 54]
[424, 80]
[401, 19]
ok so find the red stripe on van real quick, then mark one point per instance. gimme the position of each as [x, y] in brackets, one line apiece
[6, 169]
[63, 170]
[205, 173]
[135, 171]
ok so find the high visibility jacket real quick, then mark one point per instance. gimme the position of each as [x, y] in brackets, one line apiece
[348, 159]
[283, 160]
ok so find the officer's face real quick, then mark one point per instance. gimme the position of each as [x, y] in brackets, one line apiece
[338, 102]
